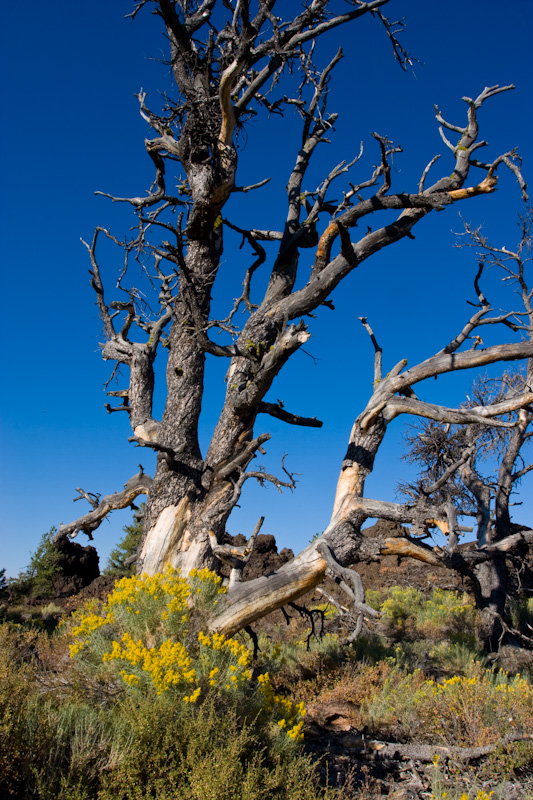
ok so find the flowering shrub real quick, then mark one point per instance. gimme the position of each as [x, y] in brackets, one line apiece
[148, 635]
[290, 716]
[441, 789]
[475, 711]
[465, 711]
[477, 794]
[407, 611]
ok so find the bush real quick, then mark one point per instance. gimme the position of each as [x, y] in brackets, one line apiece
[475, 711]
[464, 711]
[408, 613]
[132, 699]
[14, 746]
[521, 612]
[204, 753]
[135, 699]
[149, 638]
[435, 632]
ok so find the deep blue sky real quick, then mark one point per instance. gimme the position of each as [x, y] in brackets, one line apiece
[71, 126]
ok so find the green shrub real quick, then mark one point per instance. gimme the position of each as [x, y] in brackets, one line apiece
[79, 727]
[14, 746]
[475, 711]
[408, 613]
[39, 577]
[204, 752]
[521, 612]
[465, 711]
[390, 708]
[447, 784]
[370, 648]
[434, 632]
[150, 638]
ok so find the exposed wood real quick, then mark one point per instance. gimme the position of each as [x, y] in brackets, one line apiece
[485, 187]
[166, 539]
[511, 543]
[408, 549]
[247, 602]
[441, 524]
[427, 752]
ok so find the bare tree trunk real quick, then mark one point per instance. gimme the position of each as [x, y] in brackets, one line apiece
[490, 580]
[178, 486]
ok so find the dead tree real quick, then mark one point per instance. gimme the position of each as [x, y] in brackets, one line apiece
[472, 470]
[229, 63]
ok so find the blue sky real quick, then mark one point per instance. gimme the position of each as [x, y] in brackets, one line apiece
[71, 127]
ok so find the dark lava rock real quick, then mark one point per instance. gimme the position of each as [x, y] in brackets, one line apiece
[77, 567]
[513, 659]
[265, 557]
[397, 571]
[101, 587]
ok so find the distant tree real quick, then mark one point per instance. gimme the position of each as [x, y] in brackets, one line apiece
[473, 469]
[39, 576]
[231, 61]
[122, 559]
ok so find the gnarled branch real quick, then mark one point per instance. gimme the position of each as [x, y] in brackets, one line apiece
[139, 484]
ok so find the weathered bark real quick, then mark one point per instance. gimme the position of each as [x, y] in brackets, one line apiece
[178, 485]
[490, 582]
[418, 751]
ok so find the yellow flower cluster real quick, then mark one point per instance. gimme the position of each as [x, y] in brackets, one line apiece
[146, 633]
[291, 714]
[207, 575]
[167, 665]
[206, 586]
[131, 596]
[239, 672]
[478, 709]
[168, 585]
[129, 678]
[192, 698]
[458, 680]
[480, 795]
[148, 622]
[219, 642]
[518, 686]
[87, 625]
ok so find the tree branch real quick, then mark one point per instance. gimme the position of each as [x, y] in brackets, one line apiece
[277, 410]
[483, 415]
[240, 459]
[139, 484]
